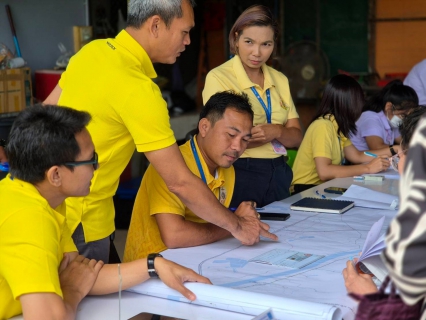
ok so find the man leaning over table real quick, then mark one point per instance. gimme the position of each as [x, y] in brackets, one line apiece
[112, 80]
[160, 220]
[52, 157]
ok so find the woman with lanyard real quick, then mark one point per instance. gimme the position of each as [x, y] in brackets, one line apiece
[262, 174]
[325, 146]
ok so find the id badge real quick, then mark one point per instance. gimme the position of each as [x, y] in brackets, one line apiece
[222, 195]
[278, 147]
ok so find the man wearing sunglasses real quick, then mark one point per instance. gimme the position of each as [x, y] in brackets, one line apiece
[52, 157]
[112, 80]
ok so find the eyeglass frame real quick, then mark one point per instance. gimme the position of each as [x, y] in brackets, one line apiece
[93, 161]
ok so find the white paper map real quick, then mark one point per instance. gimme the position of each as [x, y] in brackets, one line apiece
[332, 238]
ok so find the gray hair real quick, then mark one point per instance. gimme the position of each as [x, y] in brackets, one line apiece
[140, 11]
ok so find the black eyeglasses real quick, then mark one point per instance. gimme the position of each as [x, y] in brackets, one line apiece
[93, 161]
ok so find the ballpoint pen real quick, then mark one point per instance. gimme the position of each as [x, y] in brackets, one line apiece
[370, 154]
[321, 195]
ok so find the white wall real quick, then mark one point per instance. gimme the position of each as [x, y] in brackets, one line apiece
[40, 25]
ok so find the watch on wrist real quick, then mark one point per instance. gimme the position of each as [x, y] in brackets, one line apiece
[151, 268]
[2, 143]
[392, 150]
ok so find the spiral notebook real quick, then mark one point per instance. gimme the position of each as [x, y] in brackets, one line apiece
[322, 205]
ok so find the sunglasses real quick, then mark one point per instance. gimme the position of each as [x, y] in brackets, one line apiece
[394, 160]
[93, 161]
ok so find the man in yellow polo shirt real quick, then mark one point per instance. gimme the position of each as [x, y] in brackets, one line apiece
[52, 157]
[112, 80]
[160, 220]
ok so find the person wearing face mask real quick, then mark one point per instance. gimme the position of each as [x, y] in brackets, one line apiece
[362, 283]
[381, 116]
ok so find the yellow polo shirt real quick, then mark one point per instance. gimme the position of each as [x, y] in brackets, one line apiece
[232, 76]
[33, 238]
[153, 197]
[321, 140]
[112, 80]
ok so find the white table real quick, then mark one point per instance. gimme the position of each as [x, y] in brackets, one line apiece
[106, 307]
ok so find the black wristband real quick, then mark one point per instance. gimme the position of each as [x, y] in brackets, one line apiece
[392, 150]
[2, 143]
[150, 262]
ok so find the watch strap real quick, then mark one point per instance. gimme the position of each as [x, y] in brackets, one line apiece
[150, 263]
[392, 150]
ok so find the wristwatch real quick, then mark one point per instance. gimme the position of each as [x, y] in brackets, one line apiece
[151, 268]
[2, 143]
[392, 150]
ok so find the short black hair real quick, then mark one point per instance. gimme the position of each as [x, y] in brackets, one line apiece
[216, 106]
[343, 98]
[401, 96]
[409, 124]
[42, 137]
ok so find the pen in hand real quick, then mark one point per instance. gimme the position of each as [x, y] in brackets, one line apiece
[370, 154]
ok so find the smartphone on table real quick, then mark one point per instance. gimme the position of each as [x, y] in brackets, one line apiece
[273, 216]
[336, 190]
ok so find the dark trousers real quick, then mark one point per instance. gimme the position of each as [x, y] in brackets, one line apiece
[102, 249]
[261, 180]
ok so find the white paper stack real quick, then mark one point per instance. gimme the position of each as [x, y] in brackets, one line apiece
[373, 247]
[368, 198]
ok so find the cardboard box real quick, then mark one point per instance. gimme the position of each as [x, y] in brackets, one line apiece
[15, 90]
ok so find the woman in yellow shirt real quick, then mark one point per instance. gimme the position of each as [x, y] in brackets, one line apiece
[326, 146]
[262, 174]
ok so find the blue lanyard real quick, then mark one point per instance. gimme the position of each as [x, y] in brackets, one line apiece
[197, 160]
[268, 109]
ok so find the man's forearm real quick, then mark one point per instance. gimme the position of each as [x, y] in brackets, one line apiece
[200, 200]
[180, 233]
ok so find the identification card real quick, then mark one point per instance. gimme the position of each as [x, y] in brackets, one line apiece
[278, 147]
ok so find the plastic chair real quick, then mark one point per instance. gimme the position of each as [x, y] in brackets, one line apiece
[291, 156]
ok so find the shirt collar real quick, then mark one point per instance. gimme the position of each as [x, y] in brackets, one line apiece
[212, 181]
[336, 127]
[384, 120]
[243, 78]
[128, 42]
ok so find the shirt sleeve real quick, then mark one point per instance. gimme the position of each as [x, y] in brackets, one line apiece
[146, 116]
[322, 140]
[406, 237]
[211, 86]
[35, 235]
[161, 200]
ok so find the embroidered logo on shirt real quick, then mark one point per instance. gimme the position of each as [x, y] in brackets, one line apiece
[110, 45]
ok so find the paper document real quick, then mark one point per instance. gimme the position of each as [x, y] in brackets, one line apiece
[373, 247]
[246, 302]
[286, 258]
[368, 198]
[277, 206]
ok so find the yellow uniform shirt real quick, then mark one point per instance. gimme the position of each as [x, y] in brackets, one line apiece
[232, 76]
[112, 80]
[321, 140]
[153, 197]
[33, 238]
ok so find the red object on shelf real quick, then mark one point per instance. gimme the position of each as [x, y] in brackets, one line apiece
[390, 77]
[45, 82]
